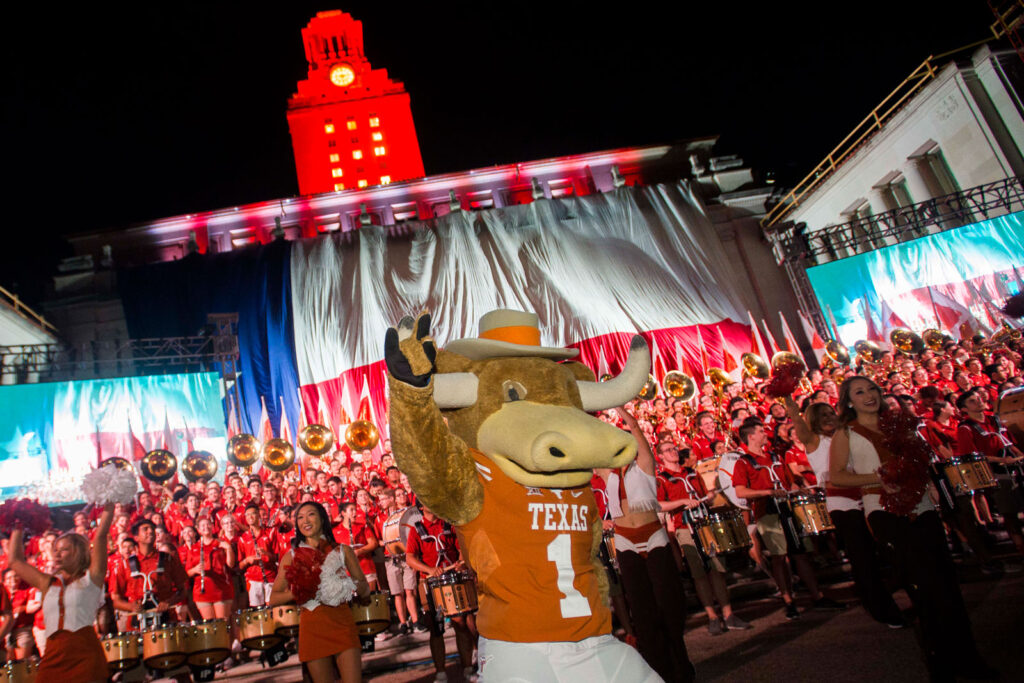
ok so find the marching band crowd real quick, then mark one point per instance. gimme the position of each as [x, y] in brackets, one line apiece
[743, 480]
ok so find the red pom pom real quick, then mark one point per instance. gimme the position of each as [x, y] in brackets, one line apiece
[1014, 306]
[304, 574]
[28, 513]
[784, 381]
[908, 470]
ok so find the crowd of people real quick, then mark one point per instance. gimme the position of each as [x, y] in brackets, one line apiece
[205, 550]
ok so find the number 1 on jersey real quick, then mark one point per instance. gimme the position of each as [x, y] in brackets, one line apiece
[573, 604]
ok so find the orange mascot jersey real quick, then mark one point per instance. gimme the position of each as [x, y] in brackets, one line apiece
[530, 548]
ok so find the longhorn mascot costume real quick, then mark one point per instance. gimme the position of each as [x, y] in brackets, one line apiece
[494, 436]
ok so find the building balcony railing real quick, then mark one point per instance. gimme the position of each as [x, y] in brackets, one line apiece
[793, 243]
[29, 363]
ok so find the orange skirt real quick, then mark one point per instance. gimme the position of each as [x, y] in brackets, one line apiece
[326, 631]
[73, 657]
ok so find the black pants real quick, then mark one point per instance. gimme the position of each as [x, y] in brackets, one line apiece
[925, 569]
[867, 579]
[657, 604]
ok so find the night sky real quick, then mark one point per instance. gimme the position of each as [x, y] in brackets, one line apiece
[112, 117]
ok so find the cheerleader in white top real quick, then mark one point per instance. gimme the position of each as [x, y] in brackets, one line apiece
[71, 598]
[880, 451]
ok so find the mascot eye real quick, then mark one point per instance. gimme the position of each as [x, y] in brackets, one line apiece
[512, 390]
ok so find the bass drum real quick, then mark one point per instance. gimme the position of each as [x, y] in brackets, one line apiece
[395, 531]
[257, 629]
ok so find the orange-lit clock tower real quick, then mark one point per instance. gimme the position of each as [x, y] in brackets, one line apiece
[351, 125]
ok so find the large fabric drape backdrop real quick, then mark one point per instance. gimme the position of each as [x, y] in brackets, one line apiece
[313, 313]
[596, 269]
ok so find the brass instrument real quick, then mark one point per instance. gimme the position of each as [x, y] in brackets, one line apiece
[1004, 334]
[679, 385]
[199, 465]
[784, 359]
[649, 390]
[868, 352]
[933, 339]
[362, 435]
[835, 354]
[278, 455]
[243, 450]
[906, 341]
[158, 465]
[755, 366]
[719, 379]
[316, 439]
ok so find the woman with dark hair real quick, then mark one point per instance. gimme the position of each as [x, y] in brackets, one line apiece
[322, 576]
[815, 429]
[873, 452]
[73, 653]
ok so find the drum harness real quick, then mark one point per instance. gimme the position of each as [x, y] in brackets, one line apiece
[691, 514]
[148, 599]
[794, 542]
[1014, 472]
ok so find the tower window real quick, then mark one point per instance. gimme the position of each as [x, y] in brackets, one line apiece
[351, 125]
[336, 172]
[357, 154]
[332, 143]
[363, 183]
[335, 158]
[338, 187]
[377, 136]
[374, 122]
[328, 127]
[379, 151]
[385, 180]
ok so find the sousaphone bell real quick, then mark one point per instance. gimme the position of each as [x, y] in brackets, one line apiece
[755, 366]
[649, 389]
[316, 439]
[158, 465]
[243, 450]
[679, 385]
[278, 455]
[199, 466]
[362, 435]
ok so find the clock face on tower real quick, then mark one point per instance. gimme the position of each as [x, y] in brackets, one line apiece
[342, 75]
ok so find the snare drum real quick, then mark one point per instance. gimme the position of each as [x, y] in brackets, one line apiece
[257, 629]
[722, 532]
[163, 647]
[968, 474]
[373, 618]
[122, 651]
[286, 620]
[207, 642]
[811, 512]
[19, 671]
[454, 593]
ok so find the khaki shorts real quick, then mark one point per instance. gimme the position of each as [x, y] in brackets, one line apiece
[693, 560]
[400, 576]
[774, 539]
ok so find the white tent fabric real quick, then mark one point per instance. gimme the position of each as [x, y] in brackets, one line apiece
[636, 259]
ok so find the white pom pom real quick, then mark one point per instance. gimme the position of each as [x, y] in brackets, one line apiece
[109, 484]
[336, 586]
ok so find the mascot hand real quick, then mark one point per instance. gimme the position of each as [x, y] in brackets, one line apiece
[410, 352]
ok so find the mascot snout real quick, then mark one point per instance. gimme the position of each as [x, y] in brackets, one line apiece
[552, 446]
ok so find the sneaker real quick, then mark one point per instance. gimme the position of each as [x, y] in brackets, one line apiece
[419, 628]
[383, 635]
[792, 612]
[824, 604]
[403, 630]
[716, 626]
[469, 674]
[440, 677]
[895, 624]
[1011, 567]
[734, 623]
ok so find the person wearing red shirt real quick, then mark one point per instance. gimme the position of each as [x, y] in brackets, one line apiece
[982, 433]
[269, 505]
[164, 570]
[706, 435]
[757, 478]
[431, 550]
[351, 531]
[208, 562]
[257, 558]
[681, 488]
[23, 602]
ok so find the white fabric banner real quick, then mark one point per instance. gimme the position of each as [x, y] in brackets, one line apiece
[637, 259]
